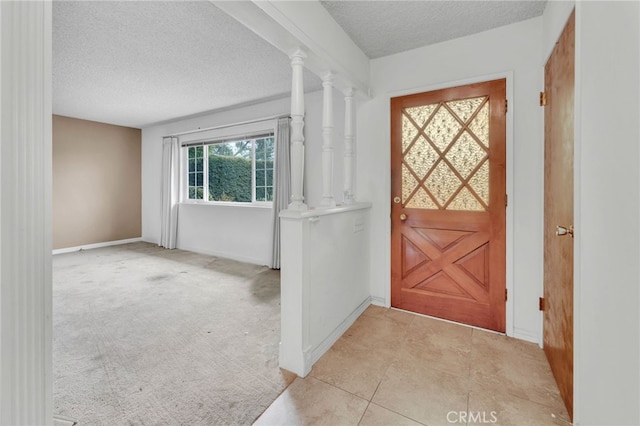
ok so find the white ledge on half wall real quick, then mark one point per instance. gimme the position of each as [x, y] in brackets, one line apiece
[323, 211]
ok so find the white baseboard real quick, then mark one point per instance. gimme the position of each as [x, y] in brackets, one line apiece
[519, 333]
[325, 345]
[59, 420]
[96, 245]
[379, 301]
[232, 256]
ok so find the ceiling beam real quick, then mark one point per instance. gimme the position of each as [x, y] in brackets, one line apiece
[306, 25]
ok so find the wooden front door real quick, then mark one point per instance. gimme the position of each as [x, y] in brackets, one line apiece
[558, 212]
[448, 204]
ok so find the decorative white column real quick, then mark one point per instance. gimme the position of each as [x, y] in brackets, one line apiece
[297, 135]
[327, 138]
[25, 223]
[349, 139]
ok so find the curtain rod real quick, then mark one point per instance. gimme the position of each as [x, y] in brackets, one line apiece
[273, 117]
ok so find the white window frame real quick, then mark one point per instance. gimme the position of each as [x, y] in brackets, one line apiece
[245, 132]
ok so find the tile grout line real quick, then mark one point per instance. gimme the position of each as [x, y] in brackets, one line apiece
[349, 392]
[470, 380]
[474, 335]
[363, 413]
[395, 357]
[369, 400]
[400, 414]
[513, 395]
[549, 407]
[473, 332]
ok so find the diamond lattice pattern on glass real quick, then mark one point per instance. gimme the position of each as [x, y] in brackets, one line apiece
[466, 107]
[421, 157]
[445, 155]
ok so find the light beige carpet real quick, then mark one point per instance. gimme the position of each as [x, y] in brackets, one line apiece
[147, 336]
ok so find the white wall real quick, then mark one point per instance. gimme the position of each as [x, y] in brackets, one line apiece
[340, 240]
[236, 232]
[324, 280]
[607, 323]
[512, 50]
[554, 19]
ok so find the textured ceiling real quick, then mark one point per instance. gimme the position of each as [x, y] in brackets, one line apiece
[382, 28]
[137, 63]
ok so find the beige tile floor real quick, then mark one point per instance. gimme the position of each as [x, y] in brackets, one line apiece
[396, 368]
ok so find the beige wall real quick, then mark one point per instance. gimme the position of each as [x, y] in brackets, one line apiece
[96, 182]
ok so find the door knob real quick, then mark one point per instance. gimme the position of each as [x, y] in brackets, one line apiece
[403, 217]
[561, 231]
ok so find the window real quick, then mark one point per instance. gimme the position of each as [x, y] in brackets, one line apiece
[196, 182]
[234, 170]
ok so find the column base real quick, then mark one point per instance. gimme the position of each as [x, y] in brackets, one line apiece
[297, 205]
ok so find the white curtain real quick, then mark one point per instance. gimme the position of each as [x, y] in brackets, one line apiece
[282, 193]
[170, 191]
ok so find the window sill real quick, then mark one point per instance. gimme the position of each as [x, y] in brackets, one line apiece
[258, 205]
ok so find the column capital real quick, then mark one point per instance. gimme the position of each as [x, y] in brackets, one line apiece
[298, 57]
[349, 92]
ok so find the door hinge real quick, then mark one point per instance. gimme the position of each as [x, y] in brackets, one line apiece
[541, 304]
[543, 98]
[506, 106]
[506, 294]
[506, 200]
